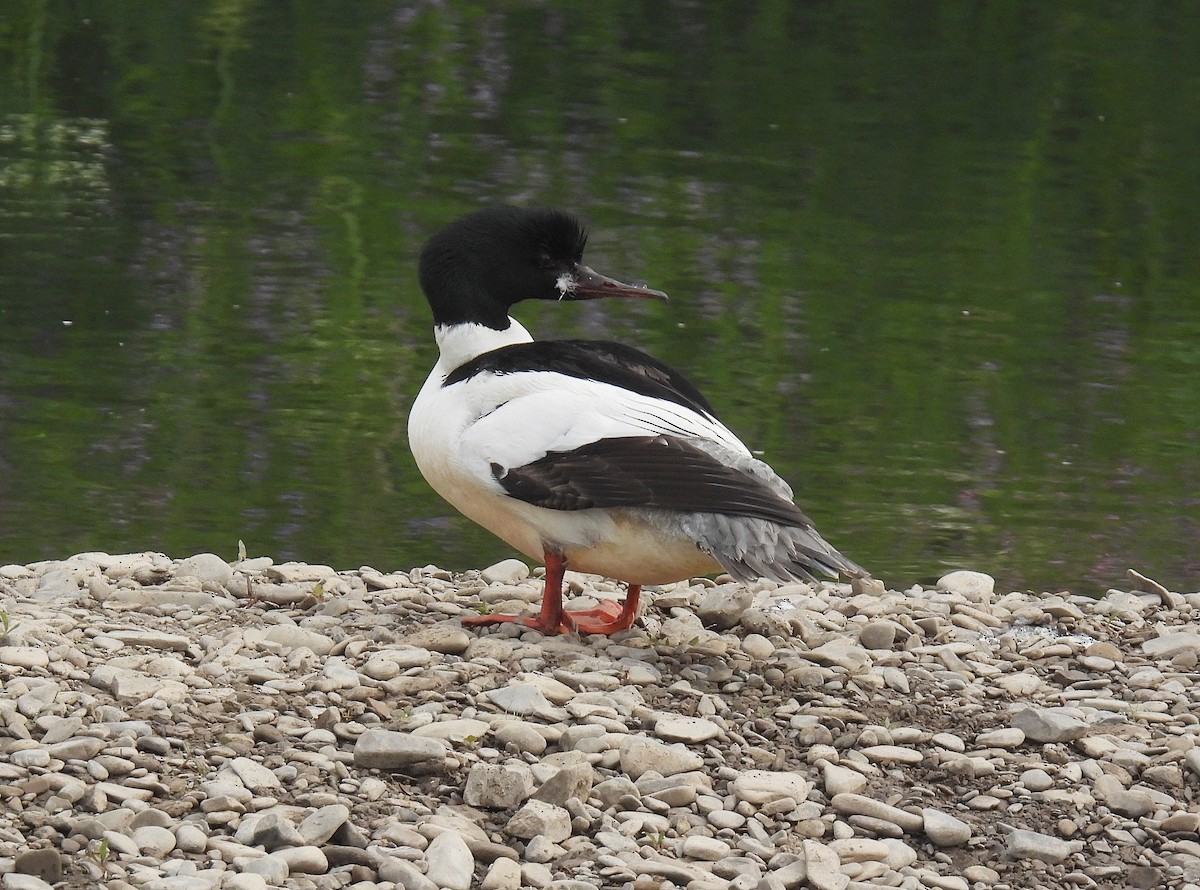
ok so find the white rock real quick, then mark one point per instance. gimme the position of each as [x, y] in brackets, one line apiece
[556, 692]
[504, 874]
[273, 867]
[943, 829]
[319, 826]
[17, 881]
[1043, 725]
[878, 634]
[447, 638]
[190, 837]
[522, 699]
[450, 862]
[860, 805]
[498, 786]
[254, 775]
[758, 647]
[506, 571]
[154, 841]
[639, 754]
[454, 730]
[1037, 779]
[1023, 844]
[292, 636]
[707, 849]
[244, 881]
[840, 779]
[690, 730]
[1172, 644]
[1007, 738]
[892, 754]
[28, 657]
[538, 818]
[973, 586]
[207, 567]
[822, 867]
[839, 653]
[306, 860]
[572, 781]
[758, 786]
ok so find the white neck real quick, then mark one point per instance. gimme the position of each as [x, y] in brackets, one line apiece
[459, 343]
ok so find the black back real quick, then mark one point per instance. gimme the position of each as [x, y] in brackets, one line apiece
[602, 360]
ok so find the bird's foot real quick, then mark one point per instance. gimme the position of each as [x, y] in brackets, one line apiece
[608, 617]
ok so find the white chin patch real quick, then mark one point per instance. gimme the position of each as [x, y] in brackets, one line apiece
[565, 285]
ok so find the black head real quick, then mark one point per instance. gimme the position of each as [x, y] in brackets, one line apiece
[480, 265]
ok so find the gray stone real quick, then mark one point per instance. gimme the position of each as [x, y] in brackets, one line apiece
[1044, 725]
[44, 863]
[273, 831]
[721, 607]
[386, 749]
[878, 634]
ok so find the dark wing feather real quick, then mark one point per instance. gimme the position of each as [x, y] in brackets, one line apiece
[600, 360]
[646, 471]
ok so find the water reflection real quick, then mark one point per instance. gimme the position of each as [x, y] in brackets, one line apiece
[958, 314]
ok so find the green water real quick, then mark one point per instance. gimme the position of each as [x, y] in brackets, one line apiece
[938, 262]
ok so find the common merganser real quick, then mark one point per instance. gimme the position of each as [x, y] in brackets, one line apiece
[583, 454]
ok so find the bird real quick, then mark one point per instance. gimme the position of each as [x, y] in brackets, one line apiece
[585, 454]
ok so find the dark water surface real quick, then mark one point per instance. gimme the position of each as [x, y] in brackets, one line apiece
[939, 262]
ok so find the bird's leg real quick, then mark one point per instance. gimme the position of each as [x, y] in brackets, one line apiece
[551, 619]
[606, 618]
[612, 617]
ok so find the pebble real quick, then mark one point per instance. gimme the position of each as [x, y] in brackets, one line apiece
[805, 735]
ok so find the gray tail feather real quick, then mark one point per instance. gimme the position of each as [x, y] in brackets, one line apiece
[756, 548]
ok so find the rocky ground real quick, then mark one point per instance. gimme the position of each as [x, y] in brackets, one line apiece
[189, 725]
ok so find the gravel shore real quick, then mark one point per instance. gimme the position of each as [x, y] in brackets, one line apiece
[194, 724]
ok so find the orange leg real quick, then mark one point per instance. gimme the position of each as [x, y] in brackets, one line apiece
[553, 619]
